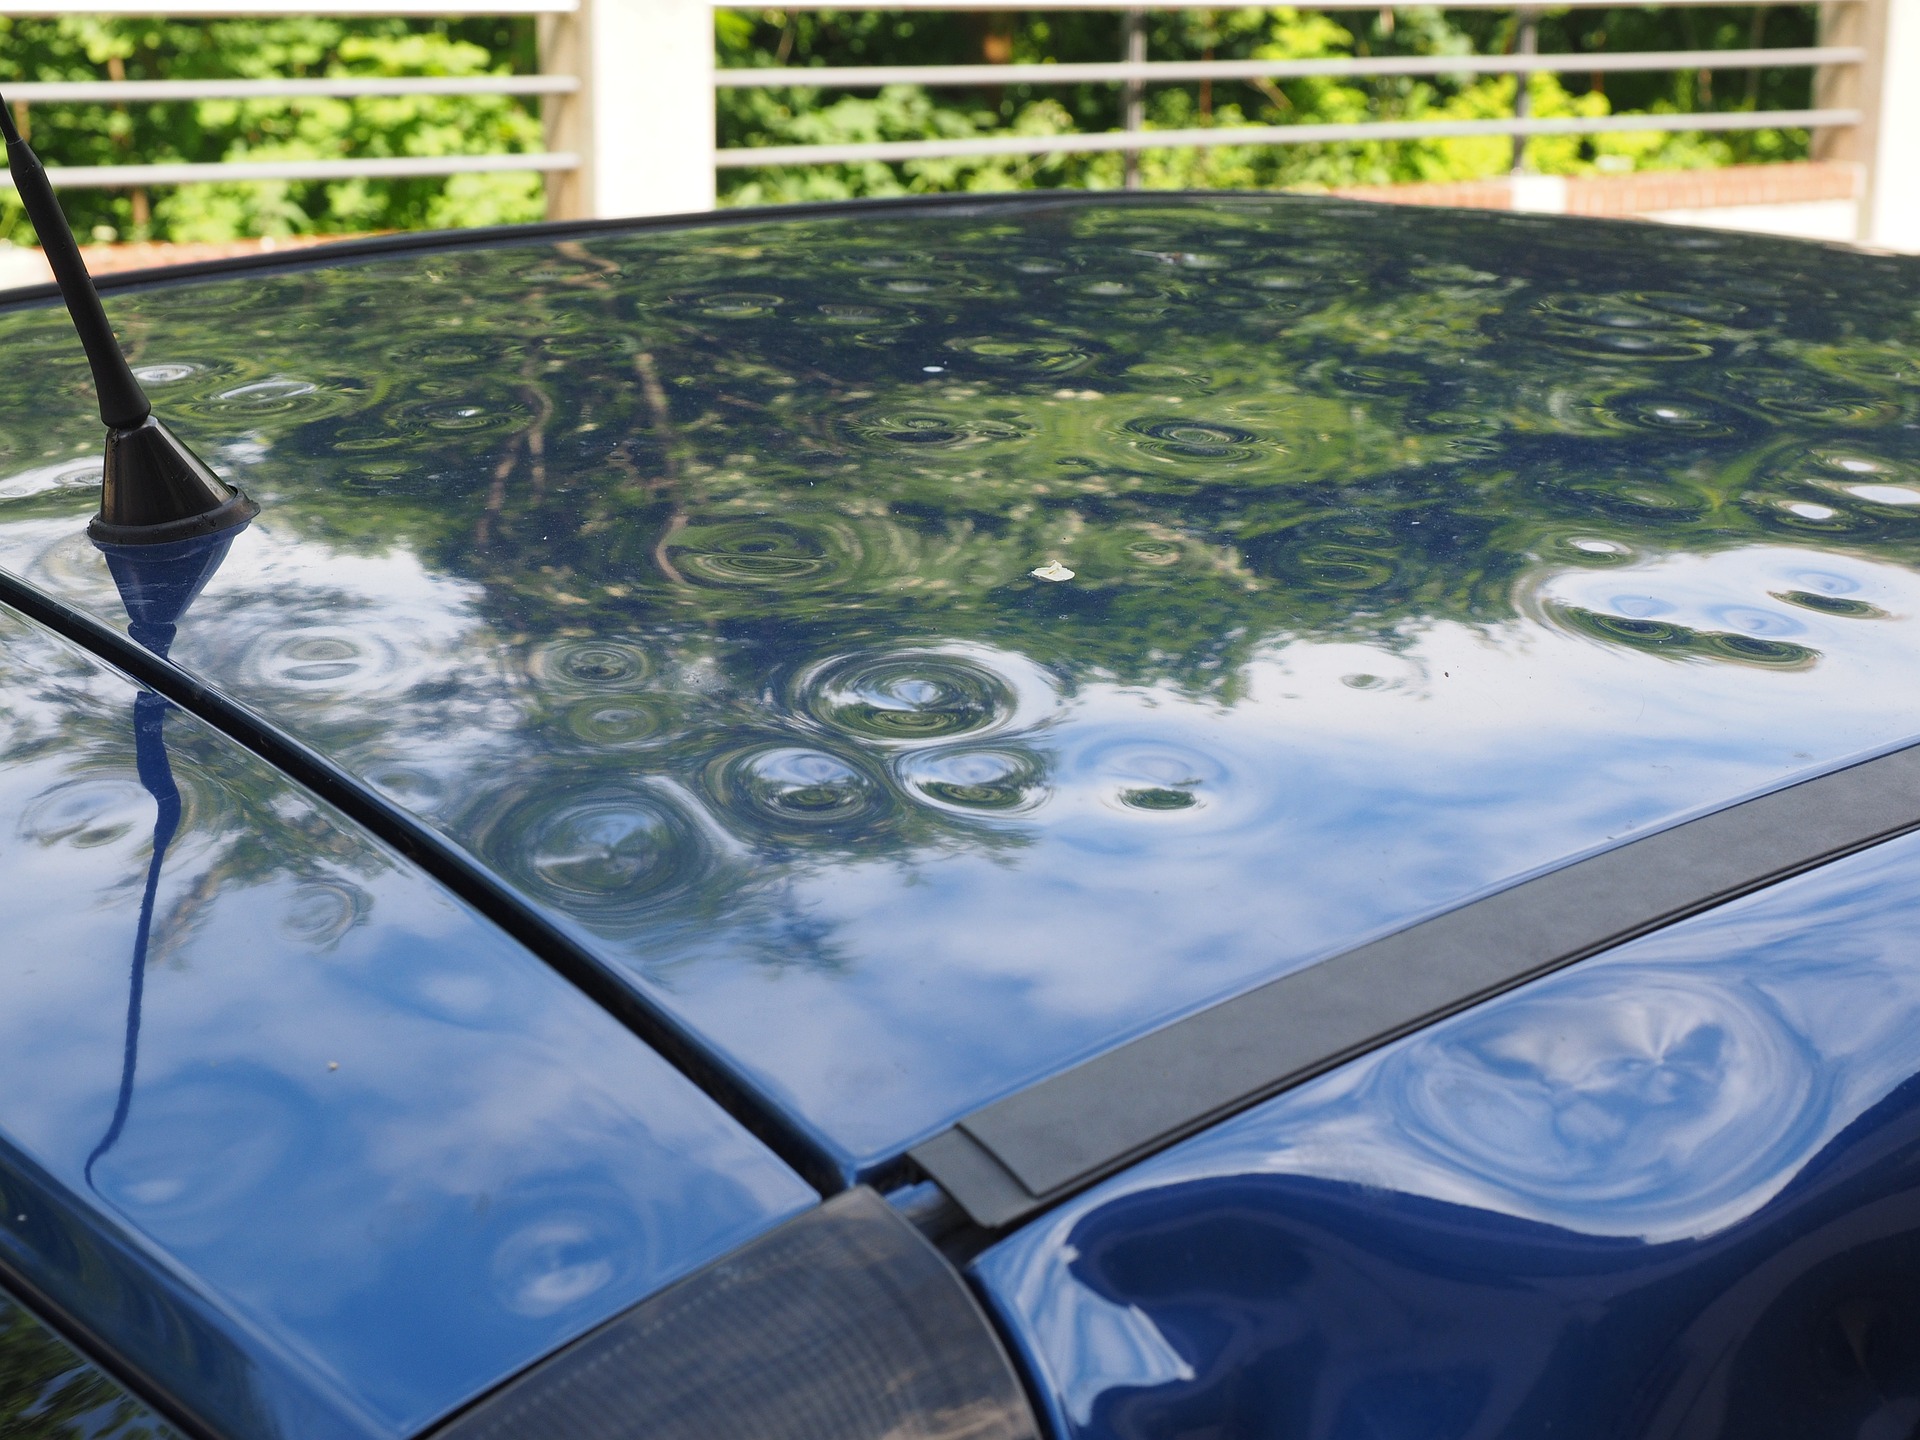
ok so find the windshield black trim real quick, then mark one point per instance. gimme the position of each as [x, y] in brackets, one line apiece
[1040, 1145]
[450, 864]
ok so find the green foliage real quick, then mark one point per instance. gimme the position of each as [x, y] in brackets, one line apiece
[209, 130]
[823, 116]
[136, 48]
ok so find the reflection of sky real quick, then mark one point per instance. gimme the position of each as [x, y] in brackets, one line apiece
[1092, 1344]
[402, 666]
[390, 1156]
[1413, 555]
[1324, 811]
[1693, 1091]
[1347, 789]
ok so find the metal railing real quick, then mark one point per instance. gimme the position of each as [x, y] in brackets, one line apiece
[1848, 118]
[628, 95]
[1136, 137]
[1865, 110]
[136, 92]
[1303, 134]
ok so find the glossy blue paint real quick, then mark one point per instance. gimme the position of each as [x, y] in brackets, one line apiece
[1672, 1191]
[686, 578]
[283, 1126]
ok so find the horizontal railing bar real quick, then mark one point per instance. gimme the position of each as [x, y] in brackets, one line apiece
[80, 177]
[345, 87]
[887, 150]
[231, 9]
[1171, 71]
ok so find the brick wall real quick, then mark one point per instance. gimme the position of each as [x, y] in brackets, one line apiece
[24, 266]
[1644, 193]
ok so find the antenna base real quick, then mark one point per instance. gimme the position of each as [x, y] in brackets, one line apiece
[155, 490]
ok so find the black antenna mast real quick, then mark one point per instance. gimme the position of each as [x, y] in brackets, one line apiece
[153, 489]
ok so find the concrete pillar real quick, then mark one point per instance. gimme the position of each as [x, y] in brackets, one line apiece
[1892, 203]
[1886, 89]
[1539, 194]
[643, 120]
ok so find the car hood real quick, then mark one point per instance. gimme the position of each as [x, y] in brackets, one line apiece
[918, 649]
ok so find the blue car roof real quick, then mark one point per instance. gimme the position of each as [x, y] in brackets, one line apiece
[918, 651]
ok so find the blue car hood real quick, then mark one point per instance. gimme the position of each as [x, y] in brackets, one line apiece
[919, 649]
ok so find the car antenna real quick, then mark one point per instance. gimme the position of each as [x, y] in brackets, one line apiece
[153, 489]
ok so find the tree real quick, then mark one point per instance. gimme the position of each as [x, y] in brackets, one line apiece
[78, 48]
[211, 130]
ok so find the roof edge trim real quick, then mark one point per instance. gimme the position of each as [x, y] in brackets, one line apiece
[483, 236]
[1034, 1148]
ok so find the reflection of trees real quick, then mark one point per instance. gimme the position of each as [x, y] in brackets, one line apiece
[1229, 437]
[747, 451]
[1329, 442]
[48, 1392]
[1332, 439]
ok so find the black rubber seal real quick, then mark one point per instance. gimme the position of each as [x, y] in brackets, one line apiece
[448, 863]
[1034, 1148]
[230, 515]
